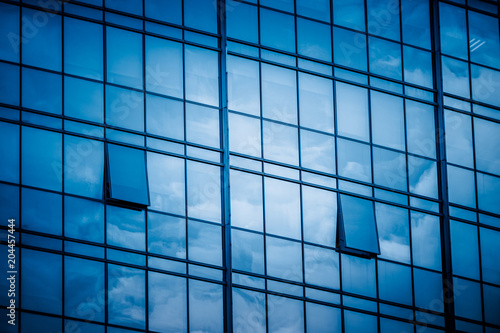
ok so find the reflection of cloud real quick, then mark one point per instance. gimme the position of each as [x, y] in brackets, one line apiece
[205, 307]
[455, 77]
[285, 315]
[423, 178]
[249, 311]
[167, 303]
[354, 170]
[284, 259]
[125, 236]
[319, 213]
[426, 240]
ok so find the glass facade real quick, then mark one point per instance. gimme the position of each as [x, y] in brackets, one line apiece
[251, 166]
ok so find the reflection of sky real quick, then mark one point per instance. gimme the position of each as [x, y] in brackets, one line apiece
[285, 315]
[393, 232]
[126, 228]
[204, 243]
[246, 200]
[317, 151]
[282, 211]
[422, 175]
[204, 191]
[167, 235]
[243, 85]
[319, 214]
[426, 240]
[280, 143]
[249, 312]
[321, 267]
[205, 307]
[167, 303]
[284, 259]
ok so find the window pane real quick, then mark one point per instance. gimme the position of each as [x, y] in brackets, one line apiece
[126, 228]
[314, 39]
[168, 11]
[167, 183]
[385, 58]
[168, 303]
[83, 48]
[383, 18]
[9, 202]
[426, 240]
[487, 144]
[205, 307]
[279, 94]
[42, 91]
[205, 243]
[45, 47]
[428, 289]
[387, 120]
[317, 151]
[467, 299]
[202, 125]
[359, 224]
[416, 23]
[461, 189]
[124, 108]
[202, 75]
[285, 5]
[323, 319]
[124, 57]
[420, 129]
[484, 41]
[490, 247]
[453, 30]
[164, 77]
[354, 160]
[201, 15]
[9, 84]
[319, 214]
[285, 314]
[9, 147]
[394, 234]
[277, 30]
[280, 143]
[83, 281]
[244, 135]
[282, 208]
[316, 102]
[9, 24]
[83, 99]
[464, 249]
[491, 304]
[84, 219]
[127, 183]
[488, 193]
[243, 84]
[126, 296]
[349, 48]
[247, 251]
[321, 267]
[241, 21]
[358, 275]
[394, 282]
[204, 191]
[484, 85]
[41, 211]
[359, 322]
[249, 311]
[418, 67]
[389, 168]
[40, 324]
[41, 158]
[352, 118]
[349, 14]
[284, 259]
[455, 77]
[422, 175]
[316, 9]
[165, 117]
[167, 235]
[246, 200]
[459, 139]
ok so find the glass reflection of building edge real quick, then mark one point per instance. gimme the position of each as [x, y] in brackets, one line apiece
[224, 166]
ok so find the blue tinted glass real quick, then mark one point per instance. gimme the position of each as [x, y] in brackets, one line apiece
[83, 166]
[9, 84]
[349, 48]
[488, 193]
[84, 326]
[42, 158]
[164, 117]
[285, 314]
[455, 77]
[491, 304]
[202, 125]
[129, 6]
[359, 322]
[42, 91]
[352, 118]
[124, 108]
[383, 18]
[354, 160]
[467, 299]
[316, 102]
[243, 85]
[286, 5]
[389, 168]
[464, 249]
[484, 42]
[246, 200]
[426, 240]
[387, 326]
[358, 275]
[394, 282]
[321, 267]
[428, 289]
[241, 21]
[314, 39]
[282, 208]
[247, 251]
[387, 120]
[201, 15]
[323, 319]
[319, 9]
[453, 28]
[9, 149]
[245, 135]
[37, 323]
[202, 75]
[418, 67]
[169, 11]
[42, 211]
[284, 259]
[489, 249]
[83, 48]
[167, 235]
[127, 183]
[125, 228]
[9, 30]
[277, 30]
[394, 235]
[319, 215]
[126, 296]
[9, 202]
[205, 307]
[83, 99]
[459, 139]
[166, 183]
[84, 284]
[359, 224]
[167, 303]
[461, 186]
[204, 243]
[385, 58]
[124, 57]
[204, 191]
[487, 144]
[484, 85]
[422, 176]
[83, 219]
[349, 14]
[44, 48]
[317, 151]
[249, 311]
[164, 77]
[416, 23]
[279, 94]
[41, 281]
[280, 143]
[420, 129]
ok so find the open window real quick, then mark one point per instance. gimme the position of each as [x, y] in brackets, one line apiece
[126, 177]
[357, 227]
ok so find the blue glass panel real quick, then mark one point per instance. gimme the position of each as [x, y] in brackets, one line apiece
[246, 200]
[389, 169]
[349, 48]
[201, 15]
[464, 249]
[282, 208]
[241, 20]
[43, 31]
[359, 322]
[484, 41]
[9, 149]
[41, 211]
[314, 39]
[124, 108]
[428, 290]
[204, 191]
[73, 325]
[205, 307]
[387, 326]
[459, 139]
[202, 125]
[249, 311]
[319, 10]
[485, 86]
[167, 235]
[41, 275]
[124, 57]
[245, 135]
[387, 120]
[487, 144]
[317, 151]
[167, 303]
[359, 224]
[285, 314]
[84, 289]
[286, 5]
[42, 158]
[202, 75]
[467, 299]
[9, 84]
[383, 18]
[321, 267]
[323, 319]
[352, 118]
[279, 94]
[284, 259]
[394, 235]
[461, 186]
[422, 175]
[169, 11]
[280, 143]
[455, 77]
[349, 14]
[129, 6]
[426, 240]
[420, 129]
[166, 183]
[488, 193]
[165, 117]
[9, 202]
[83, 48]
[127, 183]
[385, 58]
[84, 219]
[126, 296]
[204, 243]
[247, 251]
[418, 67]
[453, 28]
[9, 30]
[394, 282]
[42, 91]
[243, 85]
[416, 23]
[83, 99]
[319, 214]
[277, 30]
[358, 275]
[491, 304]
[354, 160]
[36, 323]
[316, 102]
[164, 77]
[125, 228]
[490, 247]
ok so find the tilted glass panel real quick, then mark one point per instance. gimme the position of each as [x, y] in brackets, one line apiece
[349, 48]
[204, 191]
[167, 235]
[383, 18]
[358, 275]
[285, 314]
[464, 249]
[277, 30]
[352, 118]
[455, 77]
[202, 75]
[124, 57]
[280, 143]
[459, 139]
[282, 208]
[354, 160]
[241, 20]
[487, 145]
[349, 14]
[394, 282]
[246, 200]
[126, 228]
[284, 259]
[316, 103]
[9, 149]
[205, 307]
[249, 311]
[247, 251]
[243, 85]
[488, 193]
[127, 175]
[453, 28]
[164, 117]
[314, 39]
[279, 94]
[394, 232]
[317, 151]
[385, 58]
[387, 117]
[319, 214]
[360, 229]
[484, 41]
[426, 240]
[416, 23]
